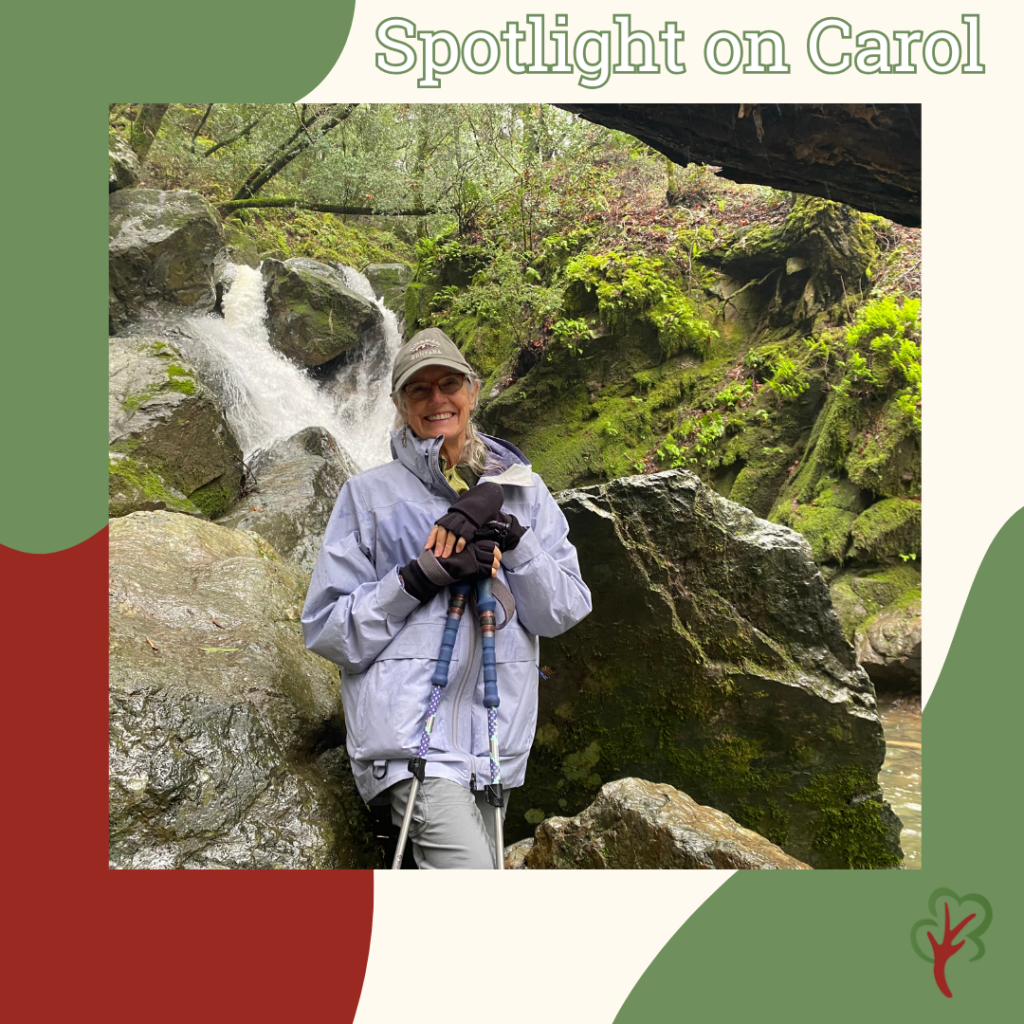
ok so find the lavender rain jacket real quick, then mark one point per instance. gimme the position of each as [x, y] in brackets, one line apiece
[359, 616]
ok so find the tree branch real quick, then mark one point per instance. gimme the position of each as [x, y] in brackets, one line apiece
[258, 203]
[234, 138]
[300, 140]
[195, 134]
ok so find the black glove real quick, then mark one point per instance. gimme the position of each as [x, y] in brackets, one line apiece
[473, 510]
[428, 575]
[504, 529]
[474, 562]
[418, 583]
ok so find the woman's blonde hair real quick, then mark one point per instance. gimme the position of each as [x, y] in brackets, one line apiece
[474, 452]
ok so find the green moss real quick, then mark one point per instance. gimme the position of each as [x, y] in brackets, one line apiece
[888, 529]
[624, 287]
[827, 529]
[325, 237]
[850, 826]
[826, 250]
[485, 346]
[770, 821]
[133, 485]
[417, 306]
[212, 499]
[179, 378]
[886, 457]
[859, 595]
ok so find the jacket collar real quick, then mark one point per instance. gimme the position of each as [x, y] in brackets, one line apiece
[507, 465]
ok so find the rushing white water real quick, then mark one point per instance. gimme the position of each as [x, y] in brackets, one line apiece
[362, 389]
[266, 396]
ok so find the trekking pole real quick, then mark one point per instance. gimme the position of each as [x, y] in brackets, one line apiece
[485, 605]
[417, 764]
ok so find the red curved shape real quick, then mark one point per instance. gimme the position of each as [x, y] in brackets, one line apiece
[253, 945]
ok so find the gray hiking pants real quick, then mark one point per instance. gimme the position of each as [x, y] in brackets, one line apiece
[451, 827]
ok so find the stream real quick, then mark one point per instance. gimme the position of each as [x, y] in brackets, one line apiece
[900, 776]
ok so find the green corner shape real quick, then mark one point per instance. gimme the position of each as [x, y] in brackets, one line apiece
[835, 945]
[71, 64]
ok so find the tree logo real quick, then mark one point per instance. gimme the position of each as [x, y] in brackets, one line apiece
[975, 913]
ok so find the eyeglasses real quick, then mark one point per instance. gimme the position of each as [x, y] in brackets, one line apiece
[420, 389]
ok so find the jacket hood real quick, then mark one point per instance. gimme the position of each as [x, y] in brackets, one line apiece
[507, 465]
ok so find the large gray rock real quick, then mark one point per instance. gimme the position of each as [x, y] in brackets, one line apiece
[312, 315]
[163, 252]
[124, 164]
[639, 824]
[170, 446]
[713, 662]
[389, 282]
[297, 483]
[225, 732]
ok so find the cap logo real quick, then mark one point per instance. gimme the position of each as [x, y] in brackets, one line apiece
[426, 346]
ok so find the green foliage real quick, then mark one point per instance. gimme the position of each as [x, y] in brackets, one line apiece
[571, 333]
[623, 288]
[780, 374]
[883, 354]
[501, 293]
[693, 443]
[788, 381]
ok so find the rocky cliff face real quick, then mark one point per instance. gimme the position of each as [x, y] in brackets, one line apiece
[713, 662]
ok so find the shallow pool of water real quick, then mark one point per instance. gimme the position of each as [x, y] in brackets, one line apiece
[900, 776]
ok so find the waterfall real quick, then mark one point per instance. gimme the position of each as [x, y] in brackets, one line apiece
[267, 396]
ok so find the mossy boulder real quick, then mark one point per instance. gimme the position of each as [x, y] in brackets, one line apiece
[239, 246]
[584, 418]
[170, 445]
[389, 282]
[638, 824]
[297, 484]
[124, 164]
[880, 611]
[712, 662]
[885, 457]
[312, 315]
[164, 248]
[225, 733]
[823, 255]
[888, 529]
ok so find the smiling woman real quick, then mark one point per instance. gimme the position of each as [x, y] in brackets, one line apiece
[453, 508]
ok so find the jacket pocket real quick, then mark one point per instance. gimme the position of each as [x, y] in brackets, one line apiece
[392, 696]
[517, 711]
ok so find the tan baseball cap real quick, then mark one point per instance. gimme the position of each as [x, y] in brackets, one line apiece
[430, 347]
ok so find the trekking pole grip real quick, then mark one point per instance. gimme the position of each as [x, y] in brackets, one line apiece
[486, 604]
[459, 595]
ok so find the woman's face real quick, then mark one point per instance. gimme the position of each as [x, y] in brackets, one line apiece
[437, 414]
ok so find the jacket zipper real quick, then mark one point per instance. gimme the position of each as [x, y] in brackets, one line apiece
[435, 472]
